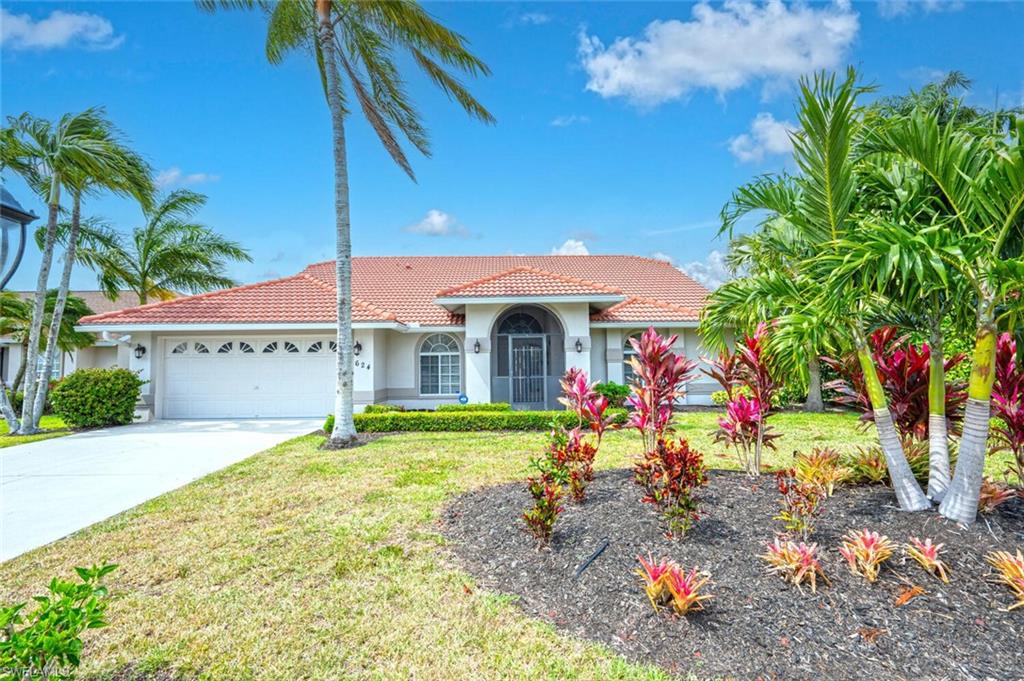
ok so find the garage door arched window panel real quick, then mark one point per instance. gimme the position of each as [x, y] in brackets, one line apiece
[334, 346]
[315, 346]
[225, 348]
[179, 349]
[245, 348]
[440, 365]
[269, 348]
[290, 347]
[201, 348]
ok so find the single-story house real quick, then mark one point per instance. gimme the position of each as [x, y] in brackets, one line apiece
[427, 331]
[103, 354]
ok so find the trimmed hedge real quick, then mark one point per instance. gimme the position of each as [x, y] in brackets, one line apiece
[97, 397]
[615, 392]
[382, 408]
[489, 406]
[462, 421]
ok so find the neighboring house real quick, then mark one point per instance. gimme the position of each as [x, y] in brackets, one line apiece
[103, 354]
[426, 330]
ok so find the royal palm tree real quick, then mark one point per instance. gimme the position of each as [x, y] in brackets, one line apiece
[979, 176]
[357, 44]
[170, 253]
[49, 155]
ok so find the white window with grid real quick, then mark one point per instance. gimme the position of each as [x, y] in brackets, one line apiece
[439, 365]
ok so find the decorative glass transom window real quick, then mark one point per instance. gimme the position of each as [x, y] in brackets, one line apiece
[290, 347]
[315, 347]
[180, 349]
[334, 346]
[245, 348]
[270, 347]
[201, 348]
[519, 323]
[225, 348]
[439, 365]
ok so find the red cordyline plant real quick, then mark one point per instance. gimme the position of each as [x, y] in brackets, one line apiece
[800, 503]
[927, 555]
[660, 378]
[865, 551]
[670, 477]
[540, 518]
[903, 369]
[666, 583]
[750, 388]
[1008, 404]
[796, 563]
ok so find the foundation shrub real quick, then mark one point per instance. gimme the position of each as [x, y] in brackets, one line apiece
[97, 397]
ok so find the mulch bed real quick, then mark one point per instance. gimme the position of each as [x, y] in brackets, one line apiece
[757, 626]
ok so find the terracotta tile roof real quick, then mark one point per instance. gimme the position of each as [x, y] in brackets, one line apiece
[645, 310]
[526, 281]
[403, 289]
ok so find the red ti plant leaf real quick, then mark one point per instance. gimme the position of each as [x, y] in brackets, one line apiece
[1008, 404]
[660, 377]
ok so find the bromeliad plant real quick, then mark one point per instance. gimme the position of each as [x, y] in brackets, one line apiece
[1008, 404]
[796, 563]
[666, 583]
[927, 555]
[800, 503]
[994, 494]
[1011, 573]
[670, 477]
[821, 467]
[865, 551]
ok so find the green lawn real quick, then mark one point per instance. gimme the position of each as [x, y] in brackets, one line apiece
[52, 427]
[301, 563]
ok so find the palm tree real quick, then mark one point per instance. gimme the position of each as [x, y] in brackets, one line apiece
[170, 253]
[360, 40]
[49, 156]
[16, 320]
[978, 174]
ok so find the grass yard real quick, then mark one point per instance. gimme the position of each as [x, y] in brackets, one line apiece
[301, 563]
[52, 427]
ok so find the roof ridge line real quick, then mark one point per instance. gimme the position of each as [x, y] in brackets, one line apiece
[534, 270]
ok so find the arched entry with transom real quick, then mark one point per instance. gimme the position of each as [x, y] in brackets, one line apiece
[527, 357]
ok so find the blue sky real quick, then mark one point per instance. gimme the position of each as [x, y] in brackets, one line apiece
[622, 127]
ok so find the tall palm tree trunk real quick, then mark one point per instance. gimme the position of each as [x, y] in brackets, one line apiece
[961, 500]
[28, 419]
[908, 492]
[19, 377]
[56, 317]
[938, 440]
[344, 432]
[814, 401]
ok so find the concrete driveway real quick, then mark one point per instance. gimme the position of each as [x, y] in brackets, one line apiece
[52, 488]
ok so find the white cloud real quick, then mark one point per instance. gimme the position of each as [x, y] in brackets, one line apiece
[895, 8]
[173, 177]
[59, 29]
[766, 136]
[711, 272]
[720, 49]
[571, 247]
[566, 121]
[665, 257]
[437, 223]
[533, 18]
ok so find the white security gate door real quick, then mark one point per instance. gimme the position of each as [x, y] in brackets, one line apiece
[248, 377]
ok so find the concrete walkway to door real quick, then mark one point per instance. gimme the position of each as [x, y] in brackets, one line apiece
[52, 488]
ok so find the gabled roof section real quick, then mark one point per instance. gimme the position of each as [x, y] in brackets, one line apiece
[528, 282]
[296, 299]
[638, 309]
[404, 290]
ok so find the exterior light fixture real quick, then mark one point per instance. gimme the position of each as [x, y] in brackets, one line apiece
[140, 351]
[579, 345]
[357, 348]
[476, 347]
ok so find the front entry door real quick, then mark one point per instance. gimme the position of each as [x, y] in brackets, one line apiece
[529, 368]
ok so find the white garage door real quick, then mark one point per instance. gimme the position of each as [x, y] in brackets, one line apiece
[248, 377]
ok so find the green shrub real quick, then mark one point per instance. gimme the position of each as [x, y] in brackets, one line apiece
[719, 398]
[615, 392]
[47, 642]
[97, 397]
[382, 408]
[487, 406]
[18, 399]
[463, 421]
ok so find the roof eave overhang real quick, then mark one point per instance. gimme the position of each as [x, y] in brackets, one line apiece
[116, 327]
[686, 324]
[453, 303]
